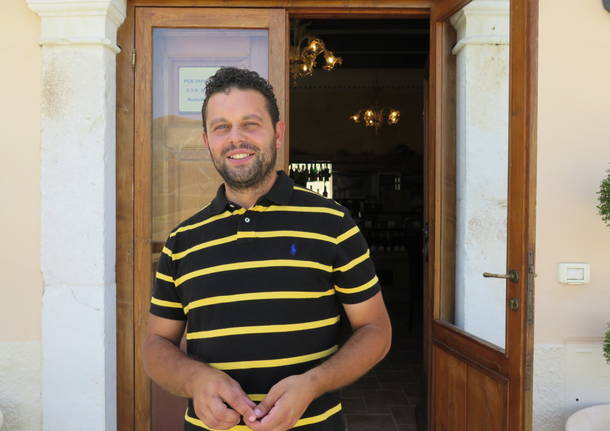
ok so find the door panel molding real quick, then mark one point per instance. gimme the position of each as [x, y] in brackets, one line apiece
[467, 396]
[454, 338]
[490, 371]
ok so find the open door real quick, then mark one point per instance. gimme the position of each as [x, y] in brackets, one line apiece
[479, 216]
[177, 50]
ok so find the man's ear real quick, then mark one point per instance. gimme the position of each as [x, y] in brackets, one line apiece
[204, 138]
[280, 131]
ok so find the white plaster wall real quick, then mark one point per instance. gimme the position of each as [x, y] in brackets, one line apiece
[587, 374]
[569, 376]
[549, 387]
[78, 238]
[77, 118]
[573, 155]
[20, 385]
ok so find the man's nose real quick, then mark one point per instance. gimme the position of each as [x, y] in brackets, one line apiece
[235, 135]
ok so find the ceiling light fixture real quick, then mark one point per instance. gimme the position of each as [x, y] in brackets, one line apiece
[372, 117]
[305, 52]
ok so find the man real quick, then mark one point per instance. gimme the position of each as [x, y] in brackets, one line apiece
[257, 278]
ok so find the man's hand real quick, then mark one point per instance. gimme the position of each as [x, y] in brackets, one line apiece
[284, 404]
[370, 341]
[219, 400]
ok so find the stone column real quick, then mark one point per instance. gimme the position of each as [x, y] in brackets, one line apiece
[482, 165]
[78, 40]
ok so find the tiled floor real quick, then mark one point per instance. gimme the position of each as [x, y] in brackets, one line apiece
[391, 397]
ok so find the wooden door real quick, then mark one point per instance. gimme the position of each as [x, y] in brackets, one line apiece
[177, 49]
[479, 189]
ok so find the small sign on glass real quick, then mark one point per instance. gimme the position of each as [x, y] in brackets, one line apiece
[191, 87]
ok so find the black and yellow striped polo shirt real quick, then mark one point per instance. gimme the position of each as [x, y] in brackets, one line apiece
[260, 289]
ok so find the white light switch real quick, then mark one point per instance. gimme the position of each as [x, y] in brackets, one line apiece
[574, 273]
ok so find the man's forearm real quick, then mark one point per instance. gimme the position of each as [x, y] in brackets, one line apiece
[169, 366]
[367, 346]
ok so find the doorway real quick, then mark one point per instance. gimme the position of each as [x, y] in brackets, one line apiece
[375, 171]
[462, 370]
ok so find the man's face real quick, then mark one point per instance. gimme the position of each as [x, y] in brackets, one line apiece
[241, 138]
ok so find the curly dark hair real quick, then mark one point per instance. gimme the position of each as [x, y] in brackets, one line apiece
[232, 77]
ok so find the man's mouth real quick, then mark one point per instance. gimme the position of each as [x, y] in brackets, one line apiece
[240, 156]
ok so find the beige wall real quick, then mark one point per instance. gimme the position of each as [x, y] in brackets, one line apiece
[573, 154]
[21, 285]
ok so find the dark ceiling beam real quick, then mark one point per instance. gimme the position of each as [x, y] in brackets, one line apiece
[364, 31]
[379, 52]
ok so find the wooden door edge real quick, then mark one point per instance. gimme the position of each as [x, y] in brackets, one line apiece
[125, 226]
[529, 15]
[142, 187]
[524, 16]
[431, 220]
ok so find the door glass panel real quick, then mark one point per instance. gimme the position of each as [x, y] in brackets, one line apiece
[475, 169]
[183, 177]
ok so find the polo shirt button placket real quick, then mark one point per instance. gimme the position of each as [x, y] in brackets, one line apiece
[247, 224]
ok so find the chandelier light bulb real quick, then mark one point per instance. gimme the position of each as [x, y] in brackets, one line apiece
[393, 117]
[372, 117]
[331, 60]
[314, 47]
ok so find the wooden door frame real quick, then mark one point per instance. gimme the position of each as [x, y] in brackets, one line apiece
[523, 51]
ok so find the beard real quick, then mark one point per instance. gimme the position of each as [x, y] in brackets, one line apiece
[247, 177]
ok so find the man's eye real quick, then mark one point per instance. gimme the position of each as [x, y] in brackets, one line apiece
[251, 124]
[220, 127]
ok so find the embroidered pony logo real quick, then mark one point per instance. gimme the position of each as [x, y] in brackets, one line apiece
[293, 249]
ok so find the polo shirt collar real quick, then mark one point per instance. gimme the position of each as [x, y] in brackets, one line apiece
[280, 194]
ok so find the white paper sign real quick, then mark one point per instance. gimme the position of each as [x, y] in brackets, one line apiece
[192, 87]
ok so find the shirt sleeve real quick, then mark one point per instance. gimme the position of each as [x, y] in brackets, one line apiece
[166, 301]
[354, 275]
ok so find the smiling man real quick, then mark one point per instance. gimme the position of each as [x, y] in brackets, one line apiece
[257, 279]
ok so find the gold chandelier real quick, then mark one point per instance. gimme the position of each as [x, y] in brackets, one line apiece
[304, 54]
[372, 117]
